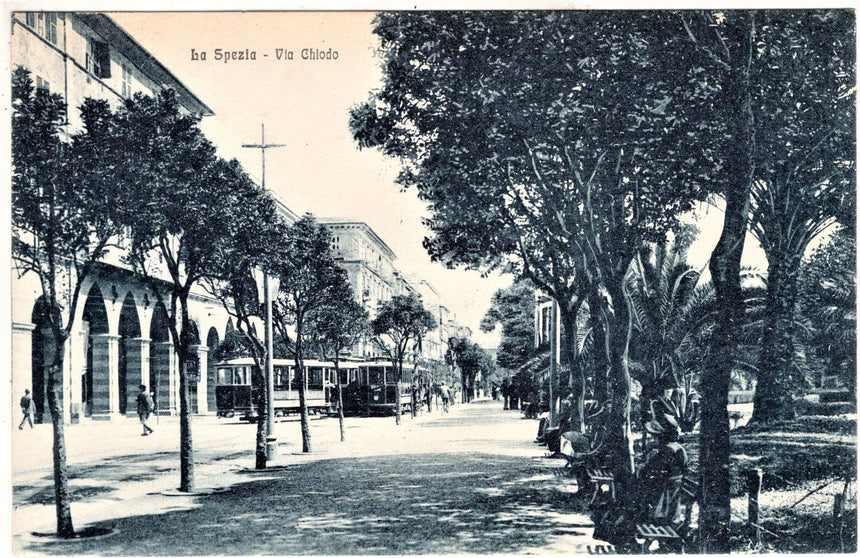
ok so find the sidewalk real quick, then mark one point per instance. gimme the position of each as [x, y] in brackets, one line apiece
[120, 477]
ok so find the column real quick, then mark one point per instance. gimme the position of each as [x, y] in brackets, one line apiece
[136, 371]
[200, 386]
[162, 372]
[22, 364]
[105, 376]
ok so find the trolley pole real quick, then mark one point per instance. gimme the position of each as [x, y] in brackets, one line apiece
[270, 369]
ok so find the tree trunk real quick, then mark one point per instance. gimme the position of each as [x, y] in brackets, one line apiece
[186, 447]
[260, 454]
[398, 375]
[303, 402]
[62, 497]
[599, 359]
[725, 266]
[619, 436]
[339, 398]
[577, 374]
[776, 382]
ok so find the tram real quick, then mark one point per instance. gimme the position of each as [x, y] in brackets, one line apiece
[374, 390]
[235, 393]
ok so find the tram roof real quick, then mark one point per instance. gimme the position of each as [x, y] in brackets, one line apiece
[308, 362]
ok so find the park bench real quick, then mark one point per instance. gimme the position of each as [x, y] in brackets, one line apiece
[599, 478]
[667, 530]
[670, 533]
[578, 461]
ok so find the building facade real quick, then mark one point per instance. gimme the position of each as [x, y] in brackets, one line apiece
[374, 278]
[120, 337]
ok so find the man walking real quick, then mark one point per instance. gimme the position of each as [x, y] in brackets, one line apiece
[145, 406]
[445, 392]
[26, 409]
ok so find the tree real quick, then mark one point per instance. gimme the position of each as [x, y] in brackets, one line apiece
[254, 228]
[472, 360]
[309, 280]
[726, 44]
[177, 204]
[672, 315]
[335, 327]
[827, 298]
[399, 326]
[60, 230]
[561, 182]
[513, 308]
[805, 172]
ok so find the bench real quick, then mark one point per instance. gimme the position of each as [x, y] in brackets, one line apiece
[600, 478]
[667, 532]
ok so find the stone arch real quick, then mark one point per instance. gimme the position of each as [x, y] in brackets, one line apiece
[129, 343]
[42, 353]
[95, 381]
[161, 359]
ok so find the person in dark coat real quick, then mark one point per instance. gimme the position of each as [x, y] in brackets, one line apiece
[145, 406]
[26, 409]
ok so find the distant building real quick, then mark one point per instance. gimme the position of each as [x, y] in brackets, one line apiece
[369, 264]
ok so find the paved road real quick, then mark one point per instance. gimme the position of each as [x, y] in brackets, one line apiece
[470, 481]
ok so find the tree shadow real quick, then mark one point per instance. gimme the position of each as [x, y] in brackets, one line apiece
[400, 504]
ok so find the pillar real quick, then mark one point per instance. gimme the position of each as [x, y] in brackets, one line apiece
[199, 385]
[162, 378]
[105, 376]
[22, 363]
[136, 371]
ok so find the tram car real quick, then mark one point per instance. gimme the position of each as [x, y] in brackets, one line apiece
[235, 393]
[374, 391]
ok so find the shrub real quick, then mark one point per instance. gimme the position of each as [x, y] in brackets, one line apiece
[827, 409]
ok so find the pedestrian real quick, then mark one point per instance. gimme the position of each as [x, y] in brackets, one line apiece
[145, 406]
[26, 409]
[445, 392]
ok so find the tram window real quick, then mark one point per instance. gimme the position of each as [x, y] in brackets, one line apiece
[282, 375]
[315, 378]
[225, 376]
[407, 375]
[242, 376]
[376, 375]
[344, 376]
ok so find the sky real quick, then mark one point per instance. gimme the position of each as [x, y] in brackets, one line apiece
[304, 105]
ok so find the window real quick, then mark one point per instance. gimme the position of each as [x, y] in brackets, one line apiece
[51, 28]
[43, 23]
[98, 58]
[335, 243]
[126, 81]
[282, 378]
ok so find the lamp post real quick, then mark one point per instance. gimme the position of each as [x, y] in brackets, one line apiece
[270, 369]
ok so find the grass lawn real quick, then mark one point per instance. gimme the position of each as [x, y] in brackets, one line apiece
[806, 463]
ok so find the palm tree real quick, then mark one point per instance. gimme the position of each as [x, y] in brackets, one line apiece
[839, 318]
[672, 317]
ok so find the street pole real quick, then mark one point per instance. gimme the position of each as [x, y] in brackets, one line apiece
[270, 368]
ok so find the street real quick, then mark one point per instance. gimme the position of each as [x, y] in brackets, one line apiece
[470, 481]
